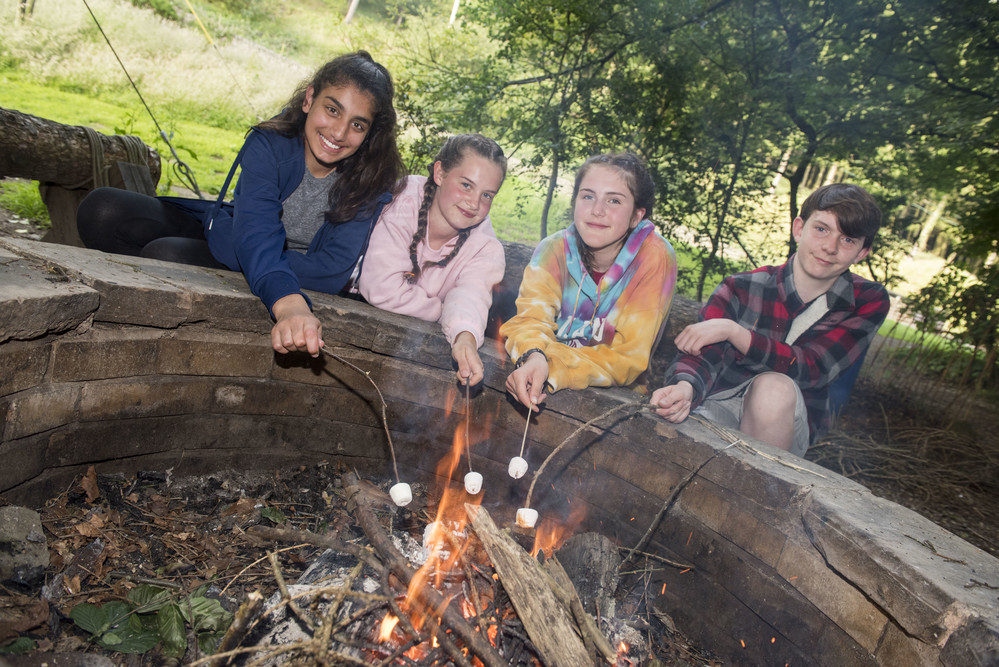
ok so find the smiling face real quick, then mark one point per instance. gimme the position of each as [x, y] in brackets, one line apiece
[824, 252]
[463, 198]
[604, 213]
[337, 121]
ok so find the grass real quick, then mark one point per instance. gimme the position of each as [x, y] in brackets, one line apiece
[23, 200]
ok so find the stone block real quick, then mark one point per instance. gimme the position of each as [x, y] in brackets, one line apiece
[37, 299]
[214, 353]
[23, 460]
[41, 409]
[106, 352]
[141, 397]
[24, 365]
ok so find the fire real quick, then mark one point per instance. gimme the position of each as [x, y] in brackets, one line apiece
[551, 533]
[446, 537]
[387, 626]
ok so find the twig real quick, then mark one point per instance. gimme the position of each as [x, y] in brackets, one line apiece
[537, 475]
[367, 376]
[665, 508]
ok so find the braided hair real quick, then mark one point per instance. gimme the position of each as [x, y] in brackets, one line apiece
[635, 174]
[450, 156]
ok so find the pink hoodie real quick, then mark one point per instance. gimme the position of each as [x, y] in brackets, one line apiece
[457, 295]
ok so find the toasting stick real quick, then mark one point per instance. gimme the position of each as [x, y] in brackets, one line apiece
[473, 480]
[401, 493]
[518, 464]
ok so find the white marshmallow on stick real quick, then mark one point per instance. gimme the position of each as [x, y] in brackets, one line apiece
[517, 467]
[527, 517]
[473, 482]
[401, 494]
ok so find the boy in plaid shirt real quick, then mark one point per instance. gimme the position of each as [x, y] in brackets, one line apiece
[769, 342]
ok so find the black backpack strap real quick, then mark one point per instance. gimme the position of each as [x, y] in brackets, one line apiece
[225, 188]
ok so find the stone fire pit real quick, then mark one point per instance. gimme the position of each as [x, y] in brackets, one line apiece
[129, 364]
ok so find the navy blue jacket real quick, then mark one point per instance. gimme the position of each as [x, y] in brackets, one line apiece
[247, 235]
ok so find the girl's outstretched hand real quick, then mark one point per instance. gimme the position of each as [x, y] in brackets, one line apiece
[527, 383]
[466, 353]
[295, 327]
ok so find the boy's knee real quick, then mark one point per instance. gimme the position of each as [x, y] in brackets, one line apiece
[772, 391]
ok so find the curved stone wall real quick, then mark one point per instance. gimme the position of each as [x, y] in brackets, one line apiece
[129, 364]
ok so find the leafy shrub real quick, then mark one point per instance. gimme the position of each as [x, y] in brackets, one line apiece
[162, 8]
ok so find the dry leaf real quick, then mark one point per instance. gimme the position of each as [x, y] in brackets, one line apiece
[89, 485]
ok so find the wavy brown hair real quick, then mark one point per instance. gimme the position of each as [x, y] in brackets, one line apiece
[376, 167]
[450, 156]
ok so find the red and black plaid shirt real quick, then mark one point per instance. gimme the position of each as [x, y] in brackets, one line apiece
[766, 302]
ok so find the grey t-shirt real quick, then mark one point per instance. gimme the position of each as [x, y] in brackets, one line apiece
[305, 210]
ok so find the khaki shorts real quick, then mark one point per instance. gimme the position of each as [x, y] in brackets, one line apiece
[725, 408]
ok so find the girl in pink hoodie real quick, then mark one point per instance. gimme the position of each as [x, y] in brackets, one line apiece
[433, 253]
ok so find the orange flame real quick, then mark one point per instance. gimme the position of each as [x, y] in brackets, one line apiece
[552, 533]
[387, 626]
[445, 538]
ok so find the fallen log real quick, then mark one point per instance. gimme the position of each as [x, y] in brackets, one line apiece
[50, 152]
[69, 161]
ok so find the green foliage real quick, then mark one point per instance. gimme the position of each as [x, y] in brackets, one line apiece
[23, 200]
[20, 646]
[273, 514]
[162, 8]
[154, 616]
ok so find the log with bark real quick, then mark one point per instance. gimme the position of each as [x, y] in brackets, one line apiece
[69, 161]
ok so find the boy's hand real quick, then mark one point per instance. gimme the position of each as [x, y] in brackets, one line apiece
[465, 352]
[295, 327]
[699, 335]
[673, 402]
[527, 383]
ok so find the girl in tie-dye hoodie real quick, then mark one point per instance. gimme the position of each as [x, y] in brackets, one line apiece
[594, 296]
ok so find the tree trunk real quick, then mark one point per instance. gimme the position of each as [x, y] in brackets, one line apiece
[350, 11]
[549, 195]
[50, 152]
[931, 223]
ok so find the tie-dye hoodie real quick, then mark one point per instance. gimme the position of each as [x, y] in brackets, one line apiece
[593, 335]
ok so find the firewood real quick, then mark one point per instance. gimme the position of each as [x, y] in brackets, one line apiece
[546, 620]
[429, 598]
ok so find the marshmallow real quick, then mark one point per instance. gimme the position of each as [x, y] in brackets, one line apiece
[473, 482]
[401, 494]
[517, 468]
[527, 517]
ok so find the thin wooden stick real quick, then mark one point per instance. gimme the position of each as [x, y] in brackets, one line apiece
[468, 418]
[367, 376]
[640, 404]
[524, 440]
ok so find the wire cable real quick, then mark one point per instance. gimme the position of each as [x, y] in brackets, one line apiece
[225, 63]
[180, 168]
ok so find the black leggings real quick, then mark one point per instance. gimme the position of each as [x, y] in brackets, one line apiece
[129, 223]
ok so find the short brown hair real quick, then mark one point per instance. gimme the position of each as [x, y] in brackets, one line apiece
[856, 211]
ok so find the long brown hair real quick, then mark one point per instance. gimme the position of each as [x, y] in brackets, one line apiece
[450, 156]
[376, 167]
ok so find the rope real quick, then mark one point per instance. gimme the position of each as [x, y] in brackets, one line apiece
[225, 63]
[100, 174]
[180, 168]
